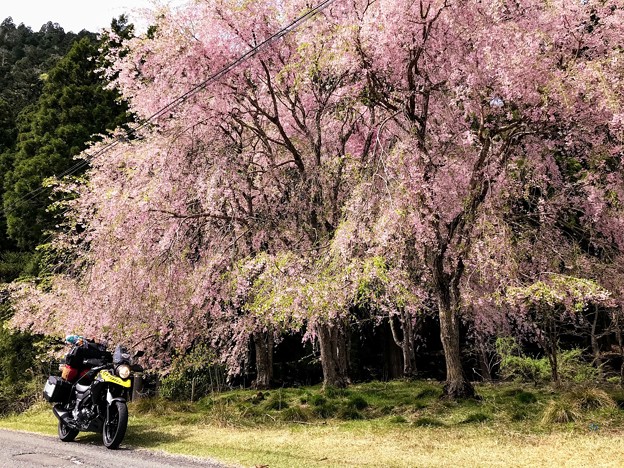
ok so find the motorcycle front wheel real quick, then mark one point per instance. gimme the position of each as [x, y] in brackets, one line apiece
[66, 433]
[115, 425]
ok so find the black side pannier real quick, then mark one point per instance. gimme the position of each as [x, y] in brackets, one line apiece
[57, 390]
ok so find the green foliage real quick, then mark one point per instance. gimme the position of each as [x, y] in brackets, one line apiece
[8, 131]
[296, 414]
[11, 265]
[560, 292]
[349, 413]
[21, 375]
[525, 398]
[326, 410]
[276, 402]
[357, 402]
[18, 351]
[317, 400]
[25, 57]
[16, 264]
[196, 369]
[380, 286]
[18, 396]
[73, 106]
[373, 281]
[574, 368]
[17, 355]
[515, 366]
[335, 392]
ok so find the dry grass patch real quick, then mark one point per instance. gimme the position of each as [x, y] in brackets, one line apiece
[591, 399]
[560, 412]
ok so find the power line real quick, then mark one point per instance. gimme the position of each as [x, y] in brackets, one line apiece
[177, 101]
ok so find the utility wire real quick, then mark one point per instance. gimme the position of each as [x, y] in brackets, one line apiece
[177, 101]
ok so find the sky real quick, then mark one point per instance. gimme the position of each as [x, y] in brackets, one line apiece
[72, 15]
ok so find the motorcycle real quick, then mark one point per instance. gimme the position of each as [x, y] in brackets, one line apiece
[97, 402]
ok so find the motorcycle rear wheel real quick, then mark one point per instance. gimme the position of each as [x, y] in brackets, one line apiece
[66, 433]
[115, 425]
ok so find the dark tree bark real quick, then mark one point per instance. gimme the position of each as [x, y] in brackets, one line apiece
[446, 289]
[457, 385]
[554, 366]
[332, 340]
[595, 344]
[263, 343]
[404, 338]
[549, 342]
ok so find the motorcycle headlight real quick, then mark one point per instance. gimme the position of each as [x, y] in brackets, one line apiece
[123, 371]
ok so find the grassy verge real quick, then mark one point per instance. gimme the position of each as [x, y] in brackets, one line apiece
[379, 424]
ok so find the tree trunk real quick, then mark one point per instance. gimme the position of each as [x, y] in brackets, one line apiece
[334, 360]
[405, 342]
[457, 385]
[446, 289]
[594, 344]
[552, 350]
[263, 343]
[409, 356]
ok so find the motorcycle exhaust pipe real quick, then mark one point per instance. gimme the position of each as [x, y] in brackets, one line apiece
[64, 415]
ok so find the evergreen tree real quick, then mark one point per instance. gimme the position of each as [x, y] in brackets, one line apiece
[25, 56]
[72, 108]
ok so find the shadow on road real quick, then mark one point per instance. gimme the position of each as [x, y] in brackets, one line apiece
[148, 436]
[141, 435]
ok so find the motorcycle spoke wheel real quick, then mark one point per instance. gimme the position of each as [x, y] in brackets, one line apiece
[115, 425]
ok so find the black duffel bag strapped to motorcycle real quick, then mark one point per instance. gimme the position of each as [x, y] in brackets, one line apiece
[57, 390]
[78, 354]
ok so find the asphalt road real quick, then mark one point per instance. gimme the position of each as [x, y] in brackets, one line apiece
[22, 449]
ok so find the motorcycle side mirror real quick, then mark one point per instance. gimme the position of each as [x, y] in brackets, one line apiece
[137, 368]
[138, 354]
